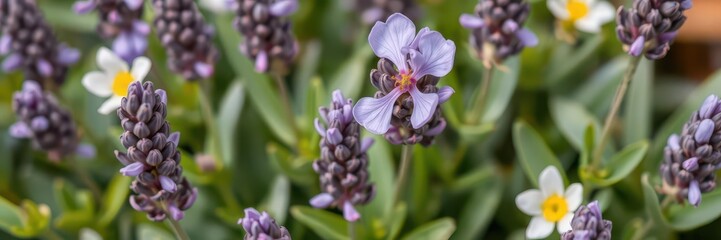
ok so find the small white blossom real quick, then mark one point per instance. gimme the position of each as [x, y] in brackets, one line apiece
[114, 79]
[585, 15]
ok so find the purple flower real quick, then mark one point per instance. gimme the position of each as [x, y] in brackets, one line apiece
[415, 56]
[260, 226]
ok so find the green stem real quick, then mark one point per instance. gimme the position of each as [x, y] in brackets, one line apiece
[638, 235]
[285, 97]
[406, 156]
[476, 112]
[206, 108]
[351, 230]
[615, 105]
[87, 180]
[177, 229]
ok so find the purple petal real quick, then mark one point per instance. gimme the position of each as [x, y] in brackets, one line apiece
[637, 46]
[85, 151]
[686, 4]
[704, 131]
[322, 200]
[690, 164]
[708, 106]
[174, 138]
[191, 199]
[141, 27]
[434, 56]
[394, 136]
[122, 47]
[694, 193]
[168, 184]
[471, 21]
[595, 209]
[39, 124]
[421, 34]
[20, 130]
[527, 37]
[319, 128]
[44, 68]
[673, 142]
[265, 221]
[5, 42]
[83, 7]
[366, 144]
[333, 136]
[68, 55]
[424, 106]
[347, 113]
[337, 96]
[113, 16]
[509, 26]
[203, 69]
[261, 62]
[435, 131]
[12, 62]
[349, 212]
[388, 39]
[133, 4]
[284, 8]
[175, 213]
[163, 98]
[375, 114]
[133, 169]
[667, 37]
[444, 94]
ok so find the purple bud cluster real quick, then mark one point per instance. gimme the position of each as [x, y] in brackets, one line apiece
[588, 224]
[692, 159]
[152, 156]
[650, 26]
[266, 30]
[260, 226]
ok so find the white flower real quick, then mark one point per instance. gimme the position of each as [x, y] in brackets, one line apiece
[550, 205]
[585, 15]
[114, 79]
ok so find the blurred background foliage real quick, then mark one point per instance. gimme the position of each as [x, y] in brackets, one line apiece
[538, 113]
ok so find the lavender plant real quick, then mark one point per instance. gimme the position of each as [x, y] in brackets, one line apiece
[588, 224]
[120, 20]
[266, 29]
[260, 226]
[650, 26]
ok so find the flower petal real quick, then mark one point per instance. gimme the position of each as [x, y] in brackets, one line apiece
[471, 21]
[141, 67]
[550, 182]
[445, 93]
[424, 105]
[20, 130]
[539, 228]
[388, 39]
[600, 13]
[637, 46]
[529, 202]
[12, 62]
[527, 37]
[98, 84]
[434, 56]
[322, 200]
[564, 224]
[109, 62]
[574, 196]
[5, 43]
[375, 114]
[110, 105]
[558, 8]
[284, 8]
[83, 7]
[419, 36]
[168, 184]
[349, 212]
[133, 4]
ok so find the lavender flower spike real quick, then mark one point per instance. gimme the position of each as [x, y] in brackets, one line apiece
[260, 226]
[650, 26]
[588, 224]
[410, 67]
[691, 159]
[160, 189]
[343, 162]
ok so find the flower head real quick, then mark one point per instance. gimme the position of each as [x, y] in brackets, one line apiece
[584, 15]
[692, 159]
[413, 56]
[266, 30]
[114, 79]
[122, 22]
[588, 224]
[343, 162]
[260, 226]
[552, 206]
[497, 29]
[650, 26]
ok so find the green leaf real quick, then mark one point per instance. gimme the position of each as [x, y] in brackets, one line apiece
[566, 60]
[265, 99]
[439, 229]
[637, 112]
[276, 203]
[115, 197]
[479, 209]
[503, 85]
[533, 152]
[60, 14]
[35, 218]
[10, 215]
[353, 73]
[299, 170]
[327, 225]
[472, 134]
[396, 220]
[622, 164]
[598, 91]
[688, 217]
[472, 180]
[653, 209]
[572, 119]
[228, 117]
[150, 232]
[589, 143]
[381, 173]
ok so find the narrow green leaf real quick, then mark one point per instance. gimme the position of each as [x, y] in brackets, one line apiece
[228, 117]
[623, 163]
[572, 119]
[10, 215]
[351, 76]
[637, 113]
[589, 143]
[327, 225]
[265, 99]
[479, 209]
[566, 60]
[503, 85]
[115, 197]
[533, 152]
[597, 92]
[688, 217]
[439, 229]
[653, 209]
[396, 220]
[381, 173]
[60, 14]
[472, 180]
[276, 203]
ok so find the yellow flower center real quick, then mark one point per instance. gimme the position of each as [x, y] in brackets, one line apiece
[577, 9]
[121, 82]
[554, 208]
[404, 83]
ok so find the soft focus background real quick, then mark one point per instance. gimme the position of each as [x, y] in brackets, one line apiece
[465, 182]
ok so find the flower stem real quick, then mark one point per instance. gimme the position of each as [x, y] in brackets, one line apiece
[351, 230]
[285, 97]
[615, 105]
[406, 156]
[206, 108]
[476, 112]
[177, 229]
